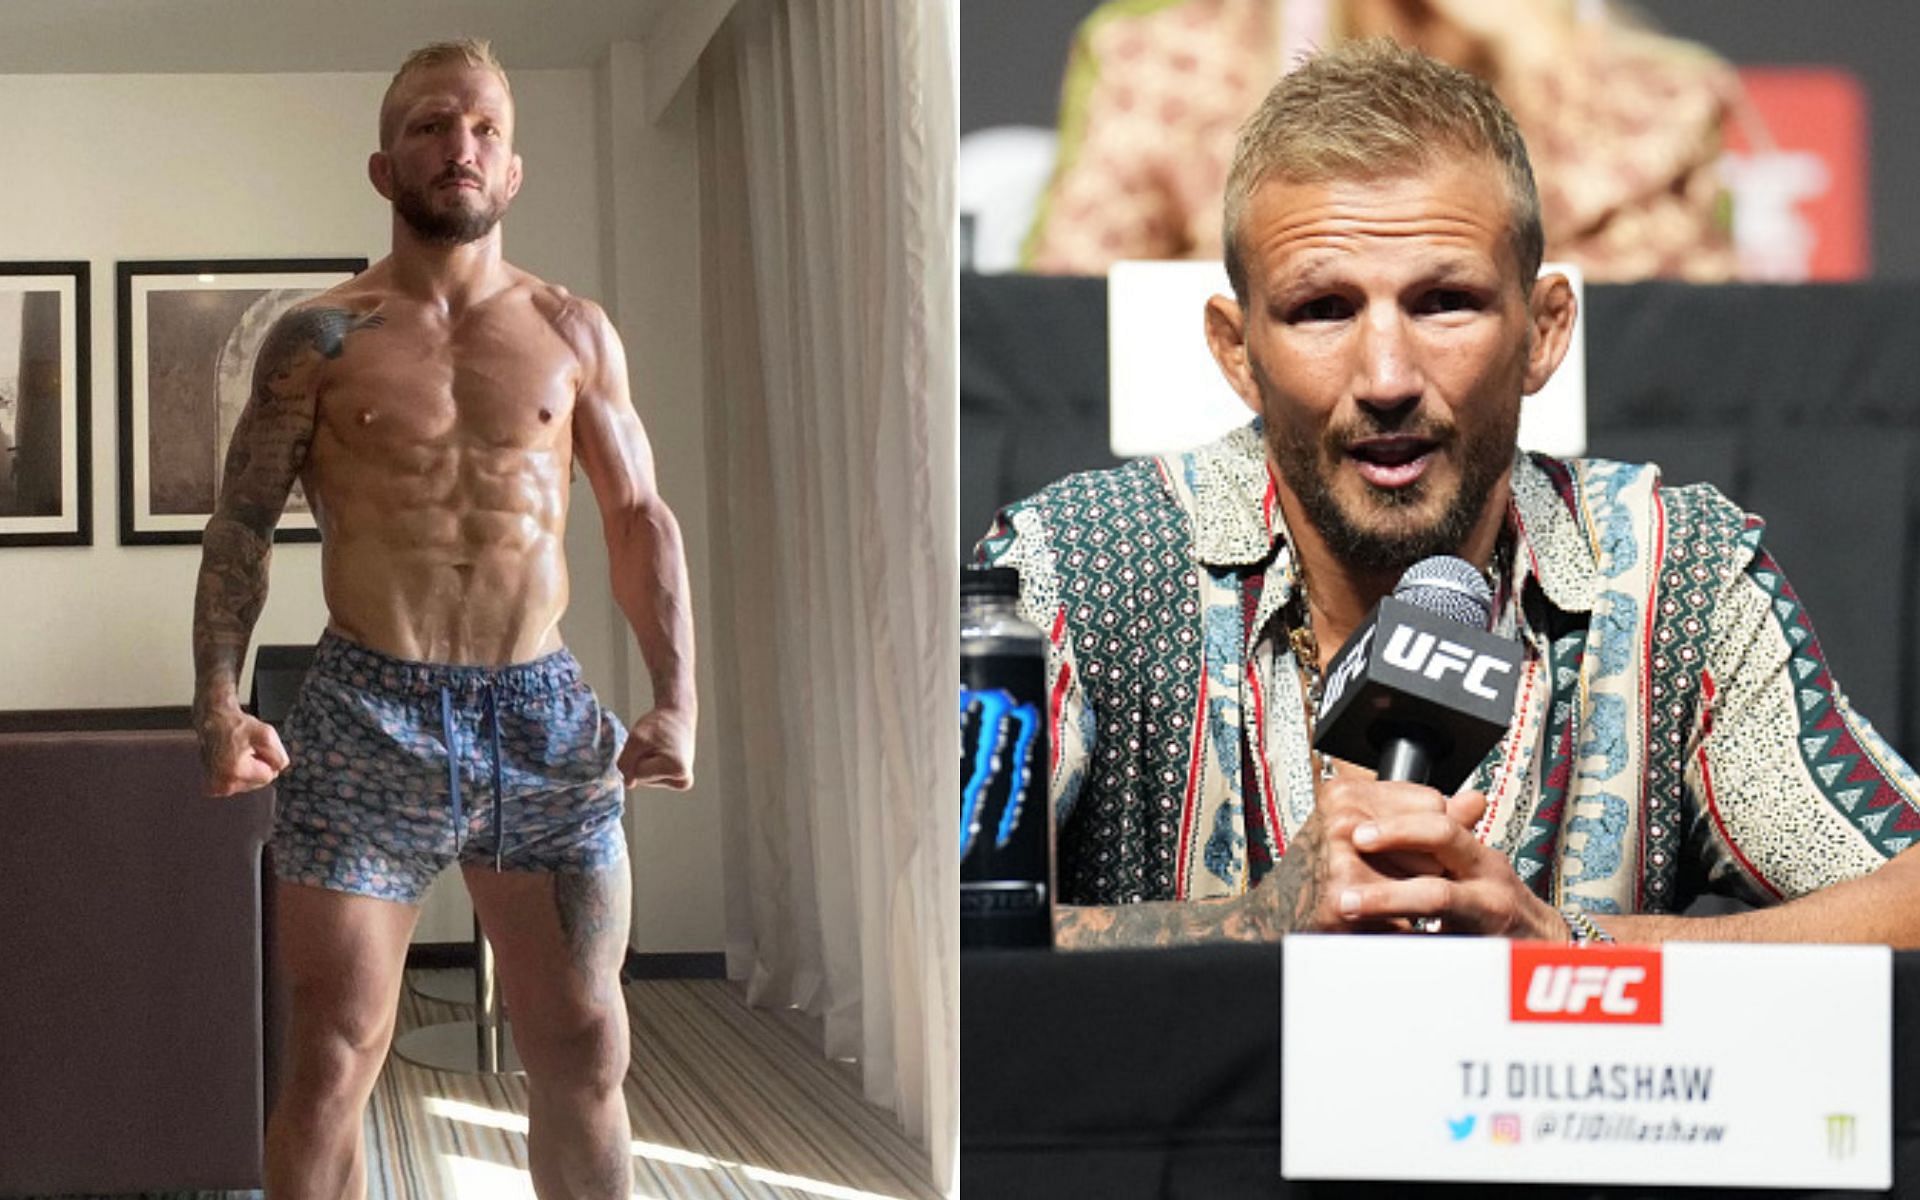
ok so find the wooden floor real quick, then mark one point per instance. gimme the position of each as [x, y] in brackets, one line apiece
[726, 1102]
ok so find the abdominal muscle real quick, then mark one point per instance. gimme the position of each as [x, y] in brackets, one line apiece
[446, 555]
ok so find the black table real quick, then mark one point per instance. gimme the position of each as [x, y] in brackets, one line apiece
[1157, 1074]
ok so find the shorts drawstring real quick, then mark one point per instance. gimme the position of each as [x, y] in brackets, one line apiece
[499, 794]
[492, 700]
[453, 763]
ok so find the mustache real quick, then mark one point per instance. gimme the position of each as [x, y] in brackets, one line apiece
[460, 174]
[1386, 424]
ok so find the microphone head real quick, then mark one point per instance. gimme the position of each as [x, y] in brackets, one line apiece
[1423, 671]
[1448, 587]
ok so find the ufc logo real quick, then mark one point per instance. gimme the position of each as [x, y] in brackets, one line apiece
[1350, 666]
[1570, 989]
[1423, 654]
[1595, 984]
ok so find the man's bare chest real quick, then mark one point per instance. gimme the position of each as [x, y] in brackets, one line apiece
[483, 382]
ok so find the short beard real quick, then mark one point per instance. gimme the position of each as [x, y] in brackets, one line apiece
[456, 227]
[1305, 467]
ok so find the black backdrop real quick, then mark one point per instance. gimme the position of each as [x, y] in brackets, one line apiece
[1801, 403]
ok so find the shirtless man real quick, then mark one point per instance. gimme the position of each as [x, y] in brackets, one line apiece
[433, 409]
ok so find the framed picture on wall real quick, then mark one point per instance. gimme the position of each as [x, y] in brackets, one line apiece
[188, 333]
[46, 469]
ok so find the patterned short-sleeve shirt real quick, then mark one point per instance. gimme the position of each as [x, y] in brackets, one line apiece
[1676, 729]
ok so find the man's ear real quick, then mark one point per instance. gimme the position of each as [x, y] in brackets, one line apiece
[380, 172]
[1551, 310]
[1227, 338]
[515, 173]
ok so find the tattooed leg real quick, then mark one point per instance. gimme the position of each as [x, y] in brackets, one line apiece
[560, 938]
[583, 902]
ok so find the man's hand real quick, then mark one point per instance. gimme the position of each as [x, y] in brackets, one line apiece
[1412, 854]
[240, 754]
[1302, 893]
[659, 751]
[1375, 856]
[1372, 858]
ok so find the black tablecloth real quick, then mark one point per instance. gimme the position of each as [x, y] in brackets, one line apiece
[1157, 1073]
[1801, 403]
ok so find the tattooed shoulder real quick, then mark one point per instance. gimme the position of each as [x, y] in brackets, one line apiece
[317, 329]
[270, 442]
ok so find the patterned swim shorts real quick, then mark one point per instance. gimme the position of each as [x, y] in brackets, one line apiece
[401, 768]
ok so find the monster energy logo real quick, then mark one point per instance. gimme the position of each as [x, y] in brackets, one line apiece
[1001, 721]
[1840, 1143]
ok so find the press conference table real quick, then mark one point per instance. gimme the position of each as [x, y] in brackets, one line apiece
[1157, 1073]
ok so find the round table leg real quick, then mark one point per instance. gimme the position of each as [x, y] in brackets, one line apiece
[483, 1046]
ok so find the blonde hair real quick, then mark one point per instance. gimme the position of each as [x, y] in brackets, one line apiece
[472, 52]
[1373, 108]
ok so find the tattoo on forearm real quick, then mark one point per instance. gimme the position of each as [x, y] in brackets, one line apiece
[265, 457]
[651, 586]
[1284, 901]
[1289, 898]
[1155, 923]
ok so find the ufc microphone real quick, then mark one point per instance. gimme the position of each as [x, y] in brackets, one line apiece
[1422, 689]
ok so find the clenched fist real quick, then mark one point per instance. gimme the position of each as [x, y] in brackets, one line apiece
[240, 753]
[659, 751]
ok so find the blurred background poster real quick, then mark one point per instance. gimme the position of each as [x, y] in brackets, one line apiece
[1814, 166]
[1798, 174]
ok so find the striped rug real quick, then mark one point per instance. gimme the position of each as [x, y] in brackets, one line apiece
[727, 1103]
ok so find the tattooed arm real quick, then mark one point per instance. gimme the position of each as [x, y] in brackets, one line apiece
[264, 459]
[1372, 856]
[1287, 899]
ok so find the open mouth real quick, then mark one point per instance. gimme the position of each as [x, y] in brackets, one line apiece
[1392, 462]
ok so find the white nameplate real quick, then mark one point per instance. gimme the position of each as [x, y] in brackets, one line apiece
[1479, 1059]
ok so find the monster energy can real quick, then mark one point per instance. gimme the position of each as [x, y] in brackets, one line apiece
[1006, 822]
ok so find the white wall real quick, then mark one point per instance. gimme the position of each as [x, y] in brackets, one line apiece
[111, 167]
[651, 203]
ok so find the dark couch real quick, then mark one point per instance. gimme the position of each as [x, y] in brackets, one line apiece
[131, 948]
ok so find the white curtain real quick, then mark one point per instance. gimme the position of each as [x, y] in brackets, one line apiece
[827, 132]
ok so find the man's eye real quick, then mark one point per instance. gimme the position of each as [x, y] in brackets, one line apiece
[1321, 308]
[1444, 300]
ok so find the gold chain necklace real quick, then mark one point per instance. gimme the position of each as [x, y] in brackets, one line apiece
[1298, 615]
